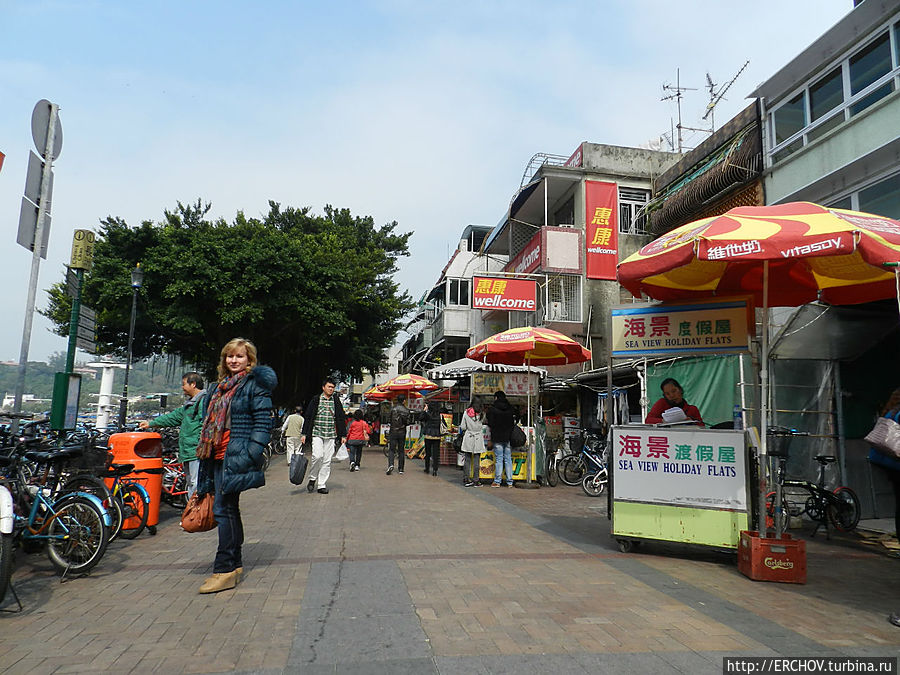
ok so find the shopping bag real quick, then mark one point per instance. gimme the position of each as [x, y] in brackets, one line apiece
[299, 462]
[885, 437]
[342, 455]
[458, 441]
[198, 514]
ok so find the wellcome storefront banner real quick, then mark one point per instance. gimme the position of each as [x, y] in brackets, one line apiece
[505, 295]
[601, 215]
[654, 329]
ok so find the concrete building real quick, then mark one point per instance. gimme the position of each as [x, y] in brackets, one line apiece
[445, 325]
[567, 227]
[832, 116]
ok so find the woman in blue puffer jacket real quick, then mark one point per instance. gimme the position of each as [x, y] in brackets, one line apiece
[235, 432]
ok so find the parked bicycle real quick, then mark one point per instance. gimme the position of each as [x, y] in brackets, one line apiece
[839, 506]
[572, 469]
[73, 526]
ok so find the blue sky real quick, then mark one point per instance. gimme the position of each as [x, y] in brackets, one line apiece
[421, 112]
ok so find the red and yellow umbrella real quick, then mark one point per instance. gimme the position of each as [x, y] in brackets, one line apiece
[813, 252]
[408, 383]
[533, 346]
[376, 394]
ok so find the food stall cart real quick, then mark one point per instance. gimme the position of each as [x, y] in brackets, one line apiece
[678, 483]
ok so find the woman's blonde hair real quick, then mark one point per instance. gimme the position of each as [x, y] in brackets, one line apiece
[230, 348]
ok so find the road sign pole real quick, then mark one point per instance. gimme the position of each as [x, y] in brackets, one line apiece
[35, 261]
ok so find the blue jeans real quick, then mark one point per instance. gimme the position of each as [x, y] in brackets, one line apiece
[231, 530]
[503, 459]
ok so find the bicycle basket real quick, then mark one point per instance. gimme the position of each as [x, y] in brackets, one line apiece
[778, 441]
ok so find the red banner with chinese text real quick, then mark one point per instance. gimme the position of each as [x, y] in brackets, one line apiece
[601, 214]
[504, 294]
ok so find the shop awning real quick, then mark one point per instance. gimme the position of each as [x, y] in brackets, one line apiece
[821, 332]
[465, 367]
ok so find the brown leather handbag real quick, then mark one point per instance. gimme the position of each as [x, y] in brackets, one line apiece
[198, 514]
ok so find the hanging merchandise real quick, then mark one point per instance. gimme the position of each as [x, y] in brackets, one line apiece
[617, 406]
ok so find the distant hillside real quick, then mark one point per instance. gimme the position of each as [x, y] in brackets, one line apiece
[147, 377]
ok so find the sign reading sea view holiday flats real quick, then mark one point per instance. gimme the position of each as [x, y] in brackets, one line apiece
[653, 329]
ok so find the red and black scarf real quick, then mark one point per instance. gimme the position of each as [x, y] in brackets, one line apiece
[217, 415]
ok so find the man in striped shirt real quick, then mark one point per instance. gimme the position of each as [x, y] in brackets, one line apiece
[325, 422]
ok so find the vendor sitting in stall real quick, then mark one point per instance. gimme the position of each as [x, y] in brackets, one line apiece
[673, 397]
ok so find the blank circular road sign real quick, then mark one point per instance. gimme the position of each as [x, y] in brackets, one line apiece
[40, 122]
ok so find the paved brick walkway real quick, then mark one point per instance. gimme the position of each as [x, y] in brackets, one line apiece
[415, 574]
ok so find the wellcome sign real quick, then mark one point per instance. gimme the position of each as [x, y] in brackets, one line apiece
[653, 329]
[506, 295]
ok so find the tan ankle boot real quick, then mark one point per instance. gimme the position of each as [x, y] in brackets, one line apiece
[239, 573]
[220, 581]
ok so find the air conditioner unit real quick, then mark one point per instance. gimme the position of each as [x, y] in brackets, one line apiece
[556, 312]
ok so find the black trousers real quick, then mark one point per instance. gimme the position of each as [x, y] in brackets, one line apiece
[397, 444]
[432, 452]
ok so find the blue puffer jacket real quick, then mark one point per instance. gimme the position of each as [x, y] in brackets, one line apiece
[251, 425]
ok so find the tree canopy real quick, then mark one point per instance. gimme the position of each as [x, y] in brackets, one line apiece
[314, 293]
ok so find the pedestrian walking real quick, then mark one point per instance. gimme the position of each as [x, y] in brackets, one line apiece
[324, 422]
[188, 418]
[399, 420]
[431, 429]
[472, 429]
[357, 437]
[236, 429]
[292, 430]
[500, 418]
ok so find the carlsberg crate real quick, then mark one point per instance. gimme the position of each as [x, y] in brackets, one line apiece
[772, 559]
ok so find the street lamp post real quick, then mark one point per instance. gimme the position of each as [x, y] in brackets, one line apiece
[137, 279]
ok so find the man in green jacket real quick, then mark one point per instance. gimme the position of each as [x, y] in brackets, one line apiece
[189, 417]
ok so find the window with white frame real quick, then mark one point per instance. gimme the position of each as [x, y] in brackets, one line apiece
[631, 201]
[458, 292]
[882, 197]
[853, 84]
[563, 298]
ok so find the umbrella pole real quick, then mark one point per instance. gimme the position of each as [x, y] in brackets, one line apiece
[529, 447]
[764, 406]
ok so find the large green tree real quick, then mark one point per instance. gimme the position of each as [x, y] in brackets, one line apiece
[315, 293]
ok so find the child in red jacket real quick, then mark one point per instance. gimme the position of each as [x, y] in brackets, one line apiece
[357, 435]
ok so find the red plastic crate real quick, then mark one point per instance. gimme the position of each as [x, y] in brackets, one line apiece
[772, 559]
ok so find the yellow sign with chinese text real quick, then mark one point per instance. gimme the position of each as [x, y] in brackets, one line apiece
[700, 327]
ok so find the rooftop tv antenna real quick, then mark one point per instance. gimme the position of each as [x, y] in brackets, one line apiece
[716, 96]
[677, 96]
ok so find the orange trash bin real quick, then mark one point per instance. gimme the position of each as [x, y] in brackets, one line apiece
[144, 450]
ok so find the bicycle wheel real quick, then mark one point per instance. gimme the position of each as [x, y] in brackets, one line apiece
[552, 473]
[6, 547]
[571, 470]
[770, 511]
[593, 484]
[77, 536]
[136, 509]
[844, 510]
[92, 485]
